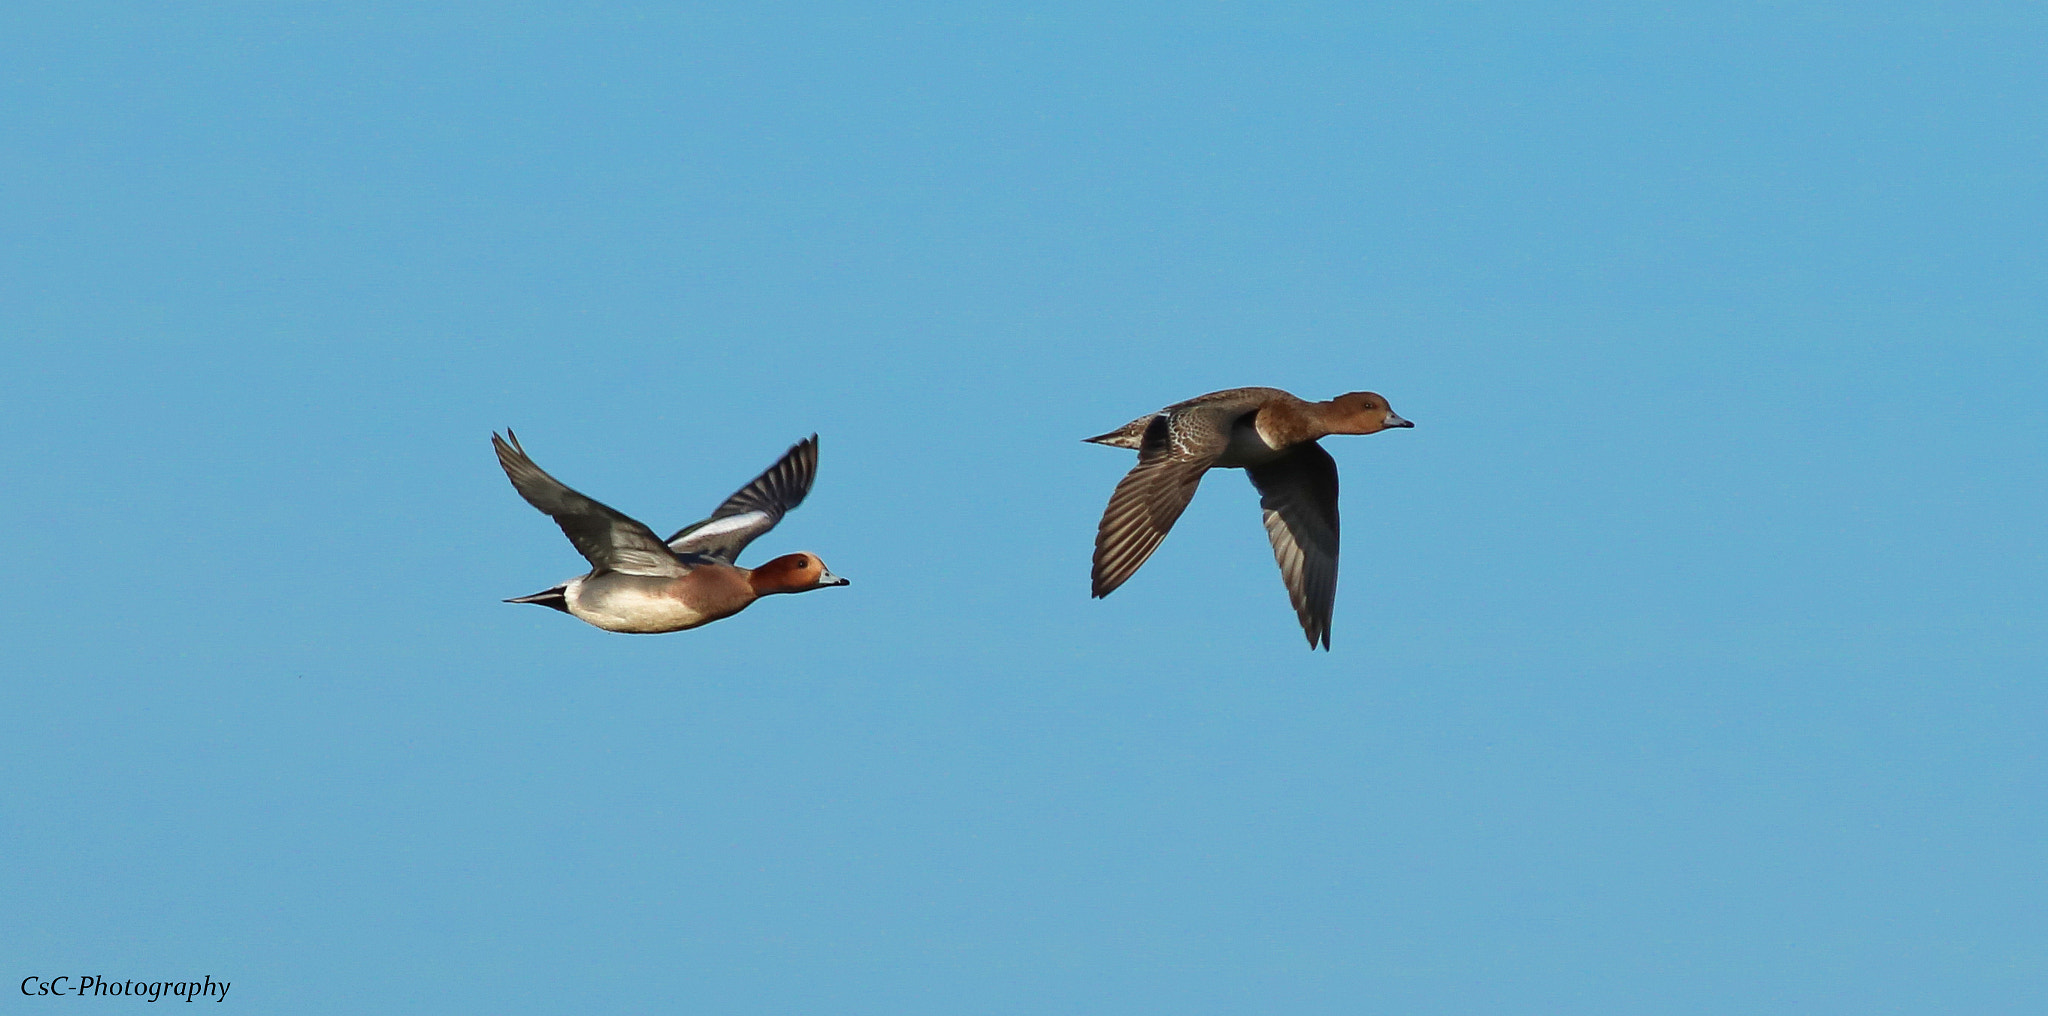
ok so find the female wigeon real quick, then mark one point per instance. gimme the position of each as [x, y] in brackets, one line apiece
[1267, 433]
[643, 585]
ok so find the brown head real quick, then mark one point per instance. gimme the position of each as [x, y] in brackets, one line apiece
[1362, 413]
[793, 573]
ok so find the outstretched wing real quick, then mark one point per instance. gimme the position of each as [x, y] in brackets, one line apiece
[753, 509]
[606, 537]
[1173, 453]
[1299, 494]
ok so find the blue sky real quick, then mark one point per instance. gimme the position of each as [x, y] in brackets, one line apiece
[1687, 657]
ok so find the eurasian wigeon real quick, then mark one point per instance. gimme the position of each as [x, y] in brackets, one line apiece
[643, 585]
[1267, 433]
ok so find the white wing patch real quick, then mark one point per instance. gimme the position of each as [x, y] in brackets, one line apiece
[709, 537]
[729, 524]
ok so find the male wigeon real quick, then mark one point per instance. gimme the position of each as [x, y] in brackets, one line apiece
[1267, 433]
[643, 585]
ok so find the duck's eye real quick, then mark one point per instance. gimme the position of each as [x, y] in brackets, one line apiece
[803, 562]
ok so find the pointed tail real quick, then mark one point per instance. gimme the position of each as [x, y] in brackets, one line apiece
[1130, 435]
[555, 598]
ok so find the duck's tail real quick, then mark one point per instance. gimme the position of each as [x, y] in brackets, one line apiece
[1131, 435]
[556, 598]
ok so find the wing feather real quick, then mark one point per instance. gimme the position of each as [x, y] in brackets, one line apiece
[609, 539]
[1172, 456]
[753, 509]
[1298, 492]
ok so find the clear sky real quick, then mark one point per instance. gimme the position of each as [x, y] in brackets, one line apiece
[1688, 656]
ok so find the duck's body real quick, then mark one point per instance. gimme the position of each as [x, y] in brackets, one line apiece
[1270, 434]
[651, 604]
[1255, 425]
[642, 585]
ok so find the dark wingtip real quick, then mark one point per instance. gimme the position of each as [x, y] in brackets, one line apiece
[1316, 639]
